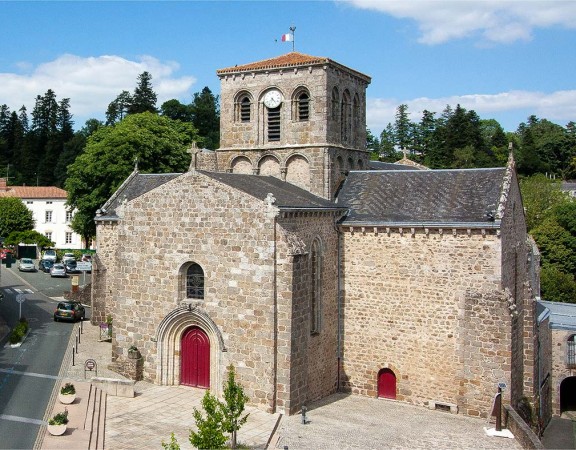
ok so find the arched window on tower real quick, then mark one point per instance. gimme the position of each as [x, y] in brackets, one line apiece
[335, 101]
[194, 282]
[303, 106]
[355, 116]
[345, 112]
[243, 108]
[273, 124]
[316, 286]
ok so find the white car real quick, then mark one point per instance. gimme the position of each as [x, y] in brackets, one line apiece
[26, 265]
[50, 255]
[68, 257]
[58, 270]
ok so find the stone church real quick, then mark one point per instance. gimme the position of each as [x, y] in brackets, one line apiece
[311, 269]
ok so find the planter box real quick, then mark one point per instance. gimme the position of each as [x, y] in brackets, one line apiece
[66, 399]
[57, 430]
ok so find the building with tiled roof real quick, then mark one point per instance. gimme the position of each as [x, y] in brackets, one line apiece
[291, 256]
[51, 215]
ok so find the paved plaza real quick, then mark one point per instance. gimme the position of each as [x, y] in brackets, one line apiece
[340, 421]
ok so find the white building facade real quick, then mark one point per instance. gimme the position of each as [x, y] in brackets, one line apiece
[51, 216]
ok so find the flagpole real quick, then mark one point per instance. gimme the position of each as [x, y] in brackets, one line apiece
[293, 29]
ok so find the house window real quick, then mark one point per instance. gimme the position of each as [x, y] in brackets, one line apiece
[316, 285]
[195, 282]
[48, 202]
[29, 202]
[48, 235]
[48, 217]
[68, 238]
[69, 216]
[274, 124]
[571, 354]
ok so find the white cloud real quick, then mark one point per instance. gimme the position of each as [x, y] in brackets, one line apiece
[91, 83]
[490, 20]
[559, 106]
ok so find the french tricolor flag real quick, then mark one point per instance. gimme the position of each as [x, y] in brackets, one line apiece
[287, 37]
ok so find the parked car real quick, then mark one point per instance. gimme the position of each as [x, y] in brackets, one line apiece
[69, 310]
[50, 255]
[45, 265]
[58, 270]
[26, 265]
[71, 266]
[68, 257]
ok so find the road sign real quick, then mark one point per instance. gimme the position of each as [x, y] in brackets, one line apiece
[84, 266]
[20, 298]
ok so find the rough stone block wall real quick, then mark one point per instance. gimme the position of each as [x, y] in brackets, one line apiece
[545, 371]
[104, 263]
[410, 300]
[516, 252]
[311, 360]
[560, 368]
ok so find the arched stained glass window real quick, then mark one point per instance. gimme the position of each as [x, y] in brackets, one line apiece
[195, 282]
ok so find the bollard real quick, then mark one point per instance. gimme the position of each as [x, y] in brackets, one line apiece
[304, 421]
[78, 336]
[81, 326]
[72, 356]
[76, 343]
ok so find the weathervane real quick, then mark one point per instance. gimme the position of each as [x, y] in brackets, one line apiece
[289, 37]
[293, 29]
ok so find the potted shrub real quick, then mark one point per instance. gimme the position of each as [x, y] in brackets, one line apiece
[57, 424]
[67, 394]
[133, 352]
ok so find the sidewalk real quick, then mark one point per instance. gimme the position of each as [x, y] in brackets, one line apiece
[146, 420]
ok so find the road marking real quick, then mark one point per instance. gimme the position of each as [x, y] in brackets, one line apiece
[30, 374]
[21, 419]
[25, 291]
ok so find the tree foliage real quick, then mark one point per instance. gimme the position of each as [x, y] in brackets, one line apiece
[233, 408]
[28, 237]
[158, 144]
[14, 216]
[210, 433]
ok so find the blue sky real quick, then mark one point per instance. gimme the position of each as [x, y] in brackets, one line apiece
[504, 59]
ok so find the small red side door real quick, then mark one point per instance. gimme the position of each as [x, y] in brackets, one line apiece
[195, 358]
[386, 384]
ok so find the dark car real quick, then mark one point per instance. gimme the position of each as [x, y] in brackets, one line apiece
[69, 311]
[71, 266]
[45, 265]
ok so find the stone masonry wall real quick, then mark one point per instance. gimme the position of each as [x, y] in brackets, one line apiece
[560, 368]
[415, 303]
[103, 290]
[195, 219]
[308, 362]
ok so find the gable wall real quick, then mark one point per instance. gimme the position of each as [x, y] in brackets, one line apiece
[194, 218]
[428, 307]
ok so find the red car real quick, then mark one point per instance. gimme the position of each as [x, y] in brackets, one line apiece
[4, 253]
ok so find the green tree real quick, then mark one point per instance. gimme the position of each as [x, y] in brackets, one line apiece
[540, 196]
[372, 145]
[403, 129]
[388, 151]
[176, 110]
[557, 285]
[233, 408]
[118, 108]
[158, 143]
[206, 118]
[144, 98]
[14, 216]
[28, 237]
[210, 434]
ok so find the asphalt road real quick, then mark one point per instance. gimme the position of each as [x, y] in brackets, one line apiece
[28, 373]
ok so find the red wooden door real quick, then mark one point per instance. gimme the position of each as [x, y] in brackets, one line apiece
[195, 358]
[386, 384]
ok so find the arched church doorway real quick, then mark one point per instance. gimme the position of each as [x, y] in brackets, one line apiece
[386, 384]
[568, 394]
[195, 358]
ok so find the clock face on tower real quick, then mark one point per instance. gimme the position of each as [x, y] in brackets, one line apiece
[272, 98]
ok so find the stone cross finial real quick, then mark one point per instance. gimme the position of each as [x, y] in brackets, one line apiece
[405, 152]
[192, 150]
[270, 199]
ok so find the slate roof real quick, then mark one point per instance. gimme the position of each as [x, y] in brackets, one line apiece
[289, 60]
[287, 195]
[379, 165]
[461, 197]
[562, 315]
[134, 186]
